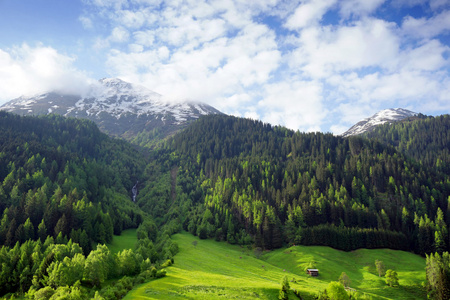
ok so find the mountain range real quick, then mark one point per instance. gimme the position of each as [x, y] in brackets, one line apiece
[132, 111]
[119, 108]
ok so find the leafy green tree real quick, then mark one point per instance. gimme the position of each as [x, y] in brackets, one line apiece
[44, 293]
[391, 278]
[127, 262]
[336, 291]
[67, 272]
[97, 266]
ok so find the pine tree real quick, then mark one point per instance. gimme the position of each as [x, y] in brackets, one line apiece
[61, 226]
[443, 285]
[42, 231]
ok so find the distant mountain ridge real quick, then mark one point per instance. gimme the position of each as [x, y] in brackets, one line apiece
[119, 108]
[381, 117]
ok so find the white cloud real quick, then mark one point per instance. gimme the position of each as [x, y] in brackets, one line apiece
[367, 43]
[426, 57]
[438, 4]
[362, 96]
[312, 65]
[144, 38]
[28, 70]
[309, 13]
[101, 43]
[119, 35]
[132, 19]
[252, 115]
[295, 104]
[427, 27]
[359, 7]
[135, 48]
[199, 59]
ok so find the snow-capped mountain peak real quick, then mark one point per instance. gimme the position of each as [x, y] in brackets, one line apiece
[118, 107]
[387, 115]
[116, 86]
[114, 82]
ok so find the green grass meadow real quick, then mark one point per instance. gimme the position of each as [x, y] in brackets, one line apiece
[127, 240]
[217, 270]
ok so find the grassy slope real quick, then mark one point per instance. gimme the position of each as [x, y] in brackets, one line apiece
[214, 270]
[359, 265]
[126, 240]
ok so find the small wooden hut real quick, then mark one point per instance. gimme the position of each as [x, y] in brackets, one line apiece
[313, 272]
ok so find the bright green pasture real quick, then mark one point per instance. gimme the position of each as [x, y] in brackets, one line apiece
[217, 270]
[359, 265]
[126, 240]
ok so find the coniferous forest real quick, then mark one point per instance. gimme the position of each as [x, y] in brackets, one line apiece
[65, 190]
[248, 182]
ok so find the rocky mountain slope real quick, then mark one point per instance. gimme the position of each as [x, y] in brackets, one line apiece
[388, 115]
[119, 108]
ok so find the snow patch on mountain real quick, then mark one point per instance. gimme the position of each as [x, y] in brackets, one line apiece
[117, 98]
[385, 116]
[116, 106]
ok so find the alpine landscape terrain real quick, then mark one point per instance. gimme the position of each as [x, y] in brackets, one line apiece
[225, 149]
[211, 206]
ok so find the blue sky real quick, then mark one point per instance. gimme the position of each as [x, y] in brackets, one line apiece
[317, 65]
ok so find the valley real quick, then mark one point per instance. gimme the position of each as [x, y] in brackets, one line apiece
[225, 149]
[216, 270]
[226, 208]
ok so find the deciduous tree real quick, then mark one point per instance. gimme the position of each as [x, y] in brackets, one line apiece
[391, 278]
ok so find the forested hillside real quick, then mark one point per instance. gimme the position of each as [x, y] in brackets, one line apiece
[426, 139]
[64, 188]
[244, 181]
[64, 176]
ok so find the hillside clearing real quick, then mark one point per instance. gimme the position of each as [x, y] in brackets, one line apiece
[217, 270]
[127, 240]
